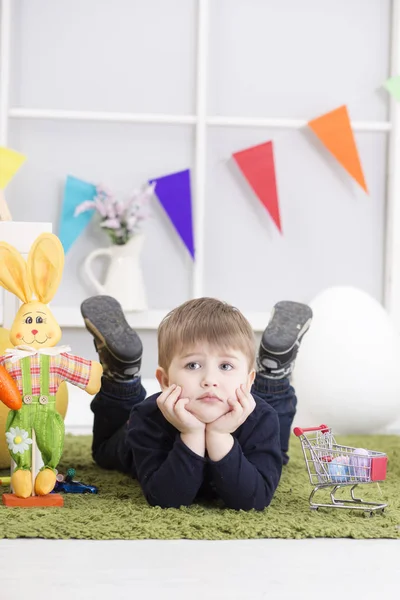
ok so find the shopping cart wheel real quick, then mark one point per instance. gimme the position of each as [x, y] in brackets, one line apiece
[368, 514]
[314, 508]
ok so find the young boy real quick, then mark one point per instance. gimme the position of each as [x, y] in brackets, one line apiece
[218, 429]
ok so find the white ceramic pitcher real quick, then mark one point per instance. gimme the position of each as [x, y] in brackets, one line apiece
[124, 279]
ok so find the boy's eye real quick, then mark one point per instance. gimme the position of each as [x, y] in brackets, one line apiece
[28, 320]
[226, 367]
[192, 366]
[39, 320]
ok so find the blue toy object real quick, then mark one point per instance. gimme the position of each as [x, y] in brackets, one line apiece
[69, 486]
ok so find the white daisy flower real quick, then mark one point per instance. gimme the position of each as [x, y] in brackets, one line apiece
[18, 440]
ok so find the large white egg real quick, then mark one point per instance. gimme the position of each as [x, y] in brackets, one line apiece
[347, 372]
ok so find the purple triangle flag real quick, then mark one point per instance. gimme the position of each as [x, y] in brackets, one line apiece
[76, 191]
[173, 192]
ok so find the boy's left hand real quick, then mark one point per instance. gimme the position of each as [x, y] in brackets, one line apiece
[241, 407]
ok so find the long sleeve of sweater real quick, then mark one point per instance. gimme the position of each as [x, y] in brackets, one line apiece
[248, 475]
[169, 473]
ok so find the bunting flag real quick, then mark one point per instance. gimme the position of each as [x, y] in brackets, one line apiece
[258, 166]
[335, 132]
[174, 194]
[5, 214]
[10, 162]
[75, 192]
[393, 86]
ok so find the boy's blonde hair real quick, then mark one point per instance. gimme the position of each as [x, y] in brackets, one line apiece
[204, 320]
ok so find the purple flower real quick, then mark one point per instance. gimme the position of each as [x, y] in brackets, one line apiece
[84, 206]
[121, 218]
[100, 206]
[111, 224]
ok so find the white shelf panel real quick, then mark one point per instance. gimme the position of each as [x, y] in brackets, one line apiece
[210, 120]
[106, 117]
[150, 320]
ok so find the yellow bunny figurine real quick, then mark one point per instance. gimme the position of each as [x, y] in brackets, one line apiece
[36, 364]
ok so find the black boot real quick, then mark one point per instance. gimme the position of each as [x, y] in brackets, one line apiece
[281, 339]
[118, 345]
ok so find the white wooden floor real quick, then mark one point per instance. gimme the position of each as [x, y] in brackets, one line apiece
[190, 570]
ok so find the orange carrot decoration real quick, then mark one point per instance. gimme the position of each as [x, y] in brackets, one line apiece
[9, 392]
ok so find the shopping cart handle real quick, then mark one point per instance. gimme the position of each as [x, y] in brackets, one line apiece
[300, 431]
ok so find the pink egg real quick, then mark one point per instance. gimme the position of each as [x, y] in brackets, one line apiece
[360, 464]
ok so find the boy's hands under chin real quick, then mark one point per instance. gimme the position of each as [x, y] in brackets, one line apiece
[241, 407]
[219, 440]
[173, 407]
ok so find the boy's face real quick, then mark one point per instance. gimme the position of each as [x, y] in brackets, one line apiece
[208, 376]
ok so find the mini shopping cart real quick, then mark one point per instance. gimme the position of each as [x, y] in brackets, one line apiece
[331, 465]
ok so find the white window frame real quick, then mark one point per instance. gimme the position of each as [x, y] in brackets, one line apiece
[70, 316]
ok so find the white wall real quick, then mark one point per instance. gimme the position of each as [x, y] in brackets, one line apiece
[285, 59]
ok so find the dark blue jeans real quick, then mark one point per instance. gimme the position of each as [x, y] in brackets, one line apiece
[113, 404]
[281, 396]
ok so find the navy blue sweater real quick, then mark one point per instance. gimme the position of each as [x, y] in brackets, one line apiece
[172, 475]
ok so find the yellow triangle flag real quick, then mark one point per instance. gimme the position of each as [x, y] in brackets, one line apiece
[10, 162]
[335, 132]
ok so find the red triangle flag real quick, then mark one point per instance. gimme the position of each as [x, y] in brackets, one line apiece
[258, 166]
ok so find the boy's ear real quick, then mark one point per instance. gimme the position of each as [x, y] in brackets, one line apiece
[251, 378]
[162, 378]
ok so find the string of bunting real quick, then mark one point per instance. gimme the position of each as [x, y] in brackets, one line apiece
[257, 164]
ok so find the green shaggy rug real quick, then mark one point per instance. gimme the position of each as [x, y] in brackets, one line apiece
[119, 511]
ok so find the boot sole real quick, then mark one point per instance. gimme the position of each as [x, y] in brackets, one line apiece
[289, 322]
[104, 318]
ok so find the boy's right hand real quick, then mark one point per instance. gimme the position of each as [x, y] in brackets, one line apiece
[174, 410]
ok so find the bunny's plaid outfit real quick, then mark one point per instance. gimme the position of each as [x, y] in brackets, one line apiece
[38, 378]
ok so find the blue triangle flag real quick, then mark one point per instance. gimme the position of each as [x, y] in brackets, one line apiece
[173, 192]
[76, 191]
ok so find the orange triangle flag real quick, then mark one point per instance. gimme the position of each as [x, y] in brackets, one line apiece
[335, 132]
[258, 166]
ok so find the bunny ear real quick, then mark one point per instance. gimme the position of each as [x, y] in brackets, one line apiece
[13, 272]
[45, 266]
